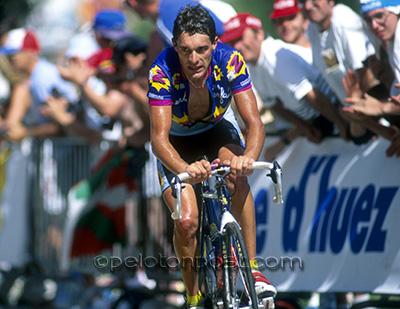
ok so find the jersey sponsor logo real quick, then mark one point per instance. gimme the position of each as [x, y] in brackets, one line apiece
[157, 97]
[176, 80]
[236, 66]
[217, 73]
[158, 79]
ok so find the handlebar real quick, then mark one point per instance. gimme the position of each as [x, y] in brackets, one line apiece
[275, 174]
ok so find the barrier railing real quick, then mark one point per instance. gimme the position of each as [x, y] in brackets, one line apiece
[53, 167]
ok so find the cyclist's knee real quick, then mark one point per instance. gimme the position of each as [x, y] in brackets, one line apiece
[187, 227]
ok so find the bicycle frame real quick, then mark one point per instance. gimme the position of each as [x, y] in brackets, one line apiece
[220, 235]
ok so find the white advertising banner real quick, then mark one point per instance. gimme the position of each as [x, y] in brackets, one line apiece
[338, 228]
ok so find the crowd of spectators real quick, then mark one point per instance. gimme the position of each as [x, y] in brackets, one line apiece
[331, 72]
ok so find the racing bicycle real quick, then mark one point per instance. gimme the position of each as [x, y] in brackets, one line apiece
[225, 277]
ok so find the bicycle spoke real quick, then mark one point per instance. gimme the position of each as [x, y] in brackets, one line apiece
[241, 288]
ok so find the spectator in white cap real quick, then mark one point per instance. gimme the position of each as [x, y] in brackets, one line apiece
[285, 82]
[382, 18]
[23, 48]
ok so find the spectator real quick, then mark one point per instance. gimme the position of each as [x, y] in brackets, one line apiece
[88, 124]
[382, 18]
[290, 93]
[22, 46]
[339, 43]
[291, 24]
[109, 25]
[111, 66]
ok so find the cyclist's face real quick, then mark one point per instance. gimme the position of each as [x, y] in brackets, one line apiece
[195, 54]
[249, 44]
[291, 28]
[382, 23]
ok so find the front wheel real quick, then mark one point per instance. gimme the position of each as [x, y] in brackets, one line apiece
[239, 290]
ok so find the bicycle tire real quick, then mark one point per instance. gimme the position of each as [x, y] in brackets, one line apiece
[241, 291]
[206, 275]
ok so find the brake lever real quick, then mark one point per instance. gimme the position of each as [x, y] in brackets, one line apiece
[276, 176]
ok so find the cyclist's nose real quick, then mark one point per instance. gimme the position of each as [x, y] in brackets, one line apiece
[193, 57]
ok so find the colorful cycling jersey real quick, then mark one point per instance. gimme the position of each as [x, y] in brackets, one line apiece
[168, 86]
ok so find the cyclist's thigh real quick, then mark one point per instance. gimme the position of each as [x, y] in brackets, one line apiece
[189, 204]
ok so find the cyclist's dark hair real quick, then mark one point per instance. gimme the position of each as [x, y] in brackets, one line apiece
[192, 20]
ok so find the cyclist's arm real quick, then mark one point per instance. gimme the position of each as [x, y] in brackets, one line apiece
[247, 107]
[160, 126]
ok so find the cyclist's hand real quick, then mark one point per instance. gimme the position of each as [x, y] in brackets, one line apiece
[199, 171]
[240, 165]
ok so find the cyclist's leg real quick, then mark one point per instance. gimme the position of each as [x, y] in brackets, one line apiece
[185, 236]
[242, 201]
[243, 210]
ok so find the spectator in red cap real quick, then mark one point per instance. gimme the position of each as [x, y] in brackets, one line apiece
[290, 23]
[285, 82]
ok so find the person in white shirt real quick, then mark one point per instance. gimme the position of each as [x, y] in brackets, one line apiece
[291, 25]
[382, 18]
[339, 43]
[284, 81]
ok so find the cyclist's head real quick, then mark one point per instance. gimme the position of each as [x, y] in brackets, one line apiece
[194, 20]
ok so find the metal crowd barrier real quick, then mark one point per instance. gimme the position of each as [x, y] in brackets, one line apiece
[55, 165]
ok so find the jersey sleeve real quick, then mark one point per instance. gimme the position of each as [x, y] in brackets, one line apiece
[237, 72]
[159, 92]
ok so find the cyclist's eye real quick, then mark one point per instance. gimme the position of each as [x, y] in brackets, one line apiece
[202, 49]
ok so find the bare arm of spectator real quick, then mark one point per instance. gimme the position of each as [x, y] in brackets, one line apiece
[374, 107]
[57, 110]
[352, 115]
[305, 128]
[394, 148]
[79, 73]
[367, 79]
[20, 101]
[325, 107]
[17, 132]
[271, 152]
[396, 99]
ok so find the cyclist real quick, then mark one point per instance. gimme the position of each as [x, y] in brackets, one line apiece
[191, 85]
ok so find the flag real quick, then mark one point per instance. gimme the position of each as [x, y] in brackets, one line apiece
[96, 214]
